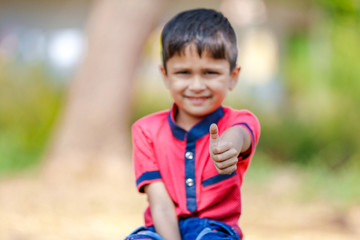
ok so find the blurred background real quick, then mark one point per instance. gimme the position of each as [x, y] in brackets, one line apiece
[74, 76]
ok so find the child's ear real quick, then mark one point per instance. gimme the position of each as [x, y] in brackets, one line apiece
[234, 77]
[164, 74]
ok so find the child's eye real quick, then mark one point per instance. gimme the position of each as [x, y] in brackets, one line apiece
[211, 73]
[182, 72]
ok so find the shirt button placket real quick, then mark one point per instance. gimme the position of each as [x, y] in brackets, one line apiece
[189, 182]
[189, 155]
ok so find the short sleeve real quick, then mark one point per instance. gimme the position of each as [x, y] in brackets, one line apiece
[250, 122]
[144, 159]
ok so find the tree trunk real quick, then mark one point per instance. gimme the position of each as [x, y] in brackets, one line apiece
[93, 127]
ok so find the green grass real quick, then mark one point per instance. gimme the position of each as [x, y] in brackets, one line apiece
[340, 188]
[308, 183]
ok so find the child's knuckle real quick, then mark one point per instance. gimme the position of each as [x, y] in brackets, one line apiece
[234, 168]
[233, 151]
[220, 165]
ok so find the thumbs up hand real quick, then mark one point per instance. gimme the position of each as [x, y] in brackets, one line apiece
[222, 152]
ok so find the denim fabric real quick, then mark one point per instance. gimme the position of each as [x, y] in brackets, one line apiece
[191, 229]
[144, 233]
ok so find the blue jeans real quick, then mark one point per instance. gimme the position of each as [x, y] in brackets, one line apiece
[191, 229]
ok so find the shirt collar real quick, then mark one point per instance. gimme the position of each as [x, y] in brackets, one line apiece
[199, 130]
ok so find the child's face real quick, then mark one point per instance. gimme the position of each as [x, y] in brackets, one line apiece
[197, 84]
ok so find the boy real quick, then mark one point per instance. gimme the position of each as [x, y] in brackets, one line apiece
[190, 160]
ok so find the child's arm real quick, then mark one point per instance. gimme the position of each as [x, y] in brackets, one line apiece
[225, 150]
[162, 211]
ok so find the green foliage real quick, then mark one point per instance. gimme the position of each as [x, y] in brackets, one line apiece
[29, 102]
[318, 124]
[341, 8]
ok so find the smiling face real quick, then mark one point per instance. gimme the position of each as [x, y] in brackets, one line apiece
[198, 84]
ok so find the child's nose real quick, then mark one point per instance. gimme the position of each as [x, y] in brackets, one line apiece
[197, 84]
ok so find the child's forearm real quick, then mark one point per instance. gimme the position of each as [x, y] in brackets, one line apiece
[163, 211]
[166, 223]
[239, 137]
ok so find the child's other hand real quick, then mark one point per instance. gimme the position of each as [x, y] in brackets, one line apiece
[222, 152]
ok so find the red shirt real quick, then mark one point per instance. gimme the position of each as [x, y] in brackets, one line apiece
[163, 151]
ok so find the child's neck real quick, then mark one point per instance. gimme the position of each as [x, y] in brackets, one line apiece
[186, 121]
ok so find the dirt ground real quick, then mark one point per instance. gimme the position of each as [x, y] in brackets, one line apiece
[103, 204]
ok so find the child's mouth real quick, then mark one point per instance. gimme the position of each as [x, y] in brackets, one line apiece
[197, 100]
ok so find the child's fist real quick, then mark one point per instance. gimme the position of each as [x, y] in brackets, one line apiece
[224, 155]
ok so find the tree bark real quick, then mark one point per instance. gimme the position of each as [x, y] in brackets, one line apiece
[93, 126]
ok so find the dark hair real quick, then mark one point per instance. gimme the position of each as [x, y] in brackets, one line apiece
[208, 29]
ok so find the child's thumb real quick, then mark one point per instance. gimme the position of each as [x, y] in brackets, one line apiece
[214, 133]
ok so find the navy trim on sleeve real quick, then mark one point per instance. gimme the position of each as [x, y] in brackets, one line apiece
[148, 176]
[217, 178]
[247, 153]
[247, 126]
